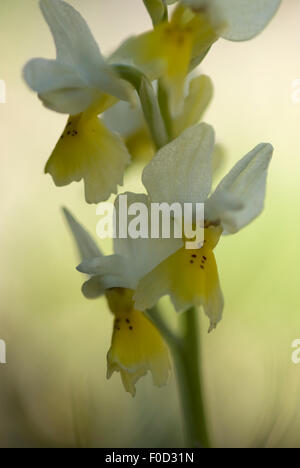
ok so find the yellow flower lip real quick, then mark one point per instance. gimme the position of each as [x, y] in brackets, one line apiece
[88, 150]
[189, 277]
[137, 347]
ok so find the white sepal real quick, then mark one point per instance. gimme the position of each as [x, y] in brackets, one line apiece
[239, 198]
[142, 254]
[181, 171]
[79, 73]
[243, 19]
[240, 20]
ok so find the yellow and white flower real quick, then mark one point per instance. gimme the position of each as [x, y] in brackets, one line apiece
[80, 82]
[178, 45]
[182, 172]
[136, 347]
[167, 51]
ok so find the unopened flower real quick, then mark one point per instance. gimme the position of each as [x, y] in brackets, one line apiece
[136, 347]
[182, 172]
[80, 82]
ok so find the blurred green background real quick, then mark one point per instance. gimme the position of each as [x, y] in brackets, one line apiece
[53, 390]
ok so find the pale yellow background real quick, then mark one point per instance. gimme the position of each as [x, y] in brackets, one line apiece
[53, 390]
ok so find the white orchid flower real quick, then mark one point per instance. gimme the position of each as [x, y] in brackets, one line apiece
[80, 82]
[182, 172]
[176, 46]
[242, 19]
[168, 50]
[136, 347]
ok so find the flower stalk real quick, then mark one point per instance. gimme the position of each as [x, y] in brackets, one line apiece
[163, 100]
[188, 369]
[186, 354]
[148, 100]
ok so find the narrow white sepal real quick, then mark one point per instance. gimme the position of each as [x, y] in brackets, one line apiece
[244, 185]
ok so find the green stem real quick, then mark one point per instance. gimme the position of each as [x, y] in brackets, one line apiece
[148, 101]
[162, 325]
[163, 100]
[186, 355]
[187, 362]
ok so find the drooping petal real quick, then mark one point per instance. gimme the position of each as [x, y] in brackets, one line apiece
[189, 277]
[136, 346]
[239, 198]
[243, 19]
[88, 150]
[182, 170]
[196, 102]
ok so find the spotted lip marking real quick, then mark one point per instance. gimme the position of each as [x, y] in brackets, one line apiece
[69, 131]
[117, 324]
[203, 260]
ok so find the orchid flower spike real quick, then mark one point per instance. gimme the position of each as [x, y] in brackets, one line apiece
[81, 83]
[136, 347]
